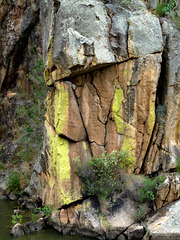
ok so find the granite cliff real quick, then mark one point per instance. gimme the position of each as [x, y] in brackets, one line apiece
[113, 70]
[111, 67]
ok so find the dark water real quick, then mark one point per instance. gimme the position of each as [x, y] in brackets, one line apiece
[6, 211]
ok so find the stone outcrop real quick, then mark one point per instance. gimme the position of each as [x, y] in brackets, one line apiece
[88, 219]
[113, 70]
[169, 192]
[19, 230]
[18, 19]
[164, 224]
[111, 66]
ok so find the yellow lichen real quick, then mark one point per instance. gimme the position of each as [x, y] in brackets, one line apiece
[117, 108]
[61, 106]
[122, 127]
[60, 168]
[84, 146]
[125, 73]
[151, 116]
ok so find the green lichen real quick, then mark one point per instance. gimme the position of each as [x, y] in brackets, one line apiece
[54, 76]
[151, 117]
[124, 73]
[61, 106]
[122, 127]
[117, 102]
[128, 144]
[60, 168]
[84, 146]
[50, 52]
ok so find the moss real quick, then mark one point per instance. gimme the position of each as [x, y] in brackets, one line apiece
[151, 117]
[61, 105]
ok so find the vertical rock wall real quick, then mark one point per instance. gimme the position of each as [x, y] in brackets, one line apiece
[110, 66]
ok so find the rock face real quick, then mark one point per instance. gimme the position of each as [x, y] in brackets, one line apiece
[115, 76]
[18, 19]
[164, 224]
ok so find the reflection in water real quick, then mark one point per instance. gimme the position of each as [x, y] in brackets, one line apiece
[6, 210]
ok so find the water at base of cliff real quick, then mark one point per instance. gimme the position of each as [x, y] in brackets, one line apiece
[6, 211]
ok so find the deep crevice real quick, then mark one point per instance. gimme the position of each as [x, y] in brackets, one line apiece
[15, 57]
[160, 100]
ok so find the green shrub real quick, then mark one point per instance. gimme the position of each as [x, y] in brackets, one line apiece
[140, 212]
[165, 7]
[103, 175]
[150, 187]
[30, 115]
[171, 9]
[178, 164]
[46, 210]
[14, 182]
[1, 165]
[16, 219]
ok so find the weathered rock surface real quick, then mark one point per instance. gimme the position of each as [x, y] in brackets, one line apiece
[17, 230]
[17, 19]
[94, 107]
[165, 223]
[111, 67]
[169, 192]
[29, 227]
[89, 219]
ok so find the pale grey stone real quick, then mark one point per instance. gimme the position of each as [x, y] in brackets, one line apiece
[17, 230]
[144, 36]
[165, 223]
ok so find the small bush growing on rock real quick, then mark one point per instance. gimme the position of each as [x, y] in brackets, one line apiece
[14, 182]
[169, 8]
[46, 210]
[150, 187]
[1, 165]
[30, 115]
[178, 165]
[166, 7]
[103, 175]
[16, 219]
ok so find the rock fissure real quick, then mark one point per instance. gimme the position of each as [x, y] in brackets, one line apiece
[16, 55]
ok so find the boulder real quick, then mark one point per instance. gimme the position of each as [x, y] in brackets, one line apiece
[17, 230]
[40, 224]
[165, 223]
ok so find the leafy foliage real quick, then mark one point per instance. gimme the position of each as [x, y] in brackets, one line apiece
[1, 165]
[14, 182]
[169, 8]
[165, 7]
[178, 164]
[148, 191]
[16, 219]
[103, 175]
[46, 210]
[31, 116]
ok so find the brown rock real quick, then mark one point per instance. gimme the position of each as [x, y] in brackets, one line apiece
[63, 216]
[114, 140]
[90, 108]
[63, 112]
[96, 149]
